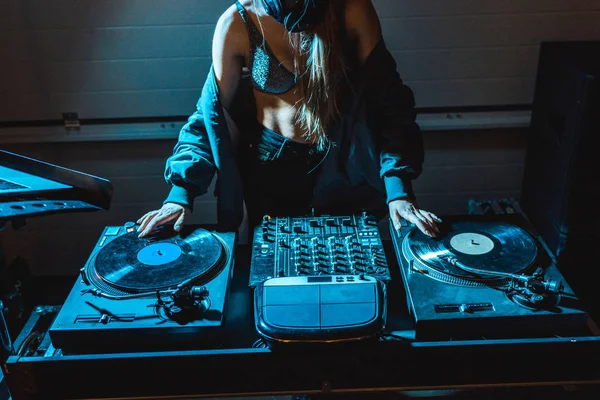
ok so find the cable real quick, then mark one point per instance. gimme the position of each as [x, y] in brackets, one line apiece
[27, 342]
[387, 336]
[5, 339]
[259, 344]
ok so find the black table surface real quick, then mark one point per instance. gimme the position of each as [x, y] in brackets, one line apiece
[238, 368]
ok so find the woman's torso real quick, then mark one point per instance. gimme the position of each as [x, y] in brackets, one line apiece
[275, 111]
[282, 172]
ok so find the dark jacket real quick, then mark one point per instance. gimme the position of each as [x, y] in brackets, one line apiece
[377, 146]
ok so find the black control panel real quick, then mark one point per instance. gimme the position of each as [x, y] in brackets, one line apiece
[315, 246]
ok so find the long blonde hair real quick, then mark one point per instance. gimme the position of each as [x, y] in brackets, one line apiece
[319, 66]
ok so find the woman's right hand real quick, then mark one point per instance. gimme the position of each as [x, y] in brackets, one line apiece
[168, 212]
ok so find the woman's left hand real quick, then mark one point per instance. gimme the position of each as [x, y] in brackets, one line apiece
[409, 210]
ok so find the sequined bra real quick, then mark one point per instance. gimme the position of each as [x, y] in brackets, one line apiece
[268, 74]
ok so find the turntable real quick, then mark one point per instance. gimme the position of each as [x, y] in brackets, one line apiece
[484, 277]
[160, 293]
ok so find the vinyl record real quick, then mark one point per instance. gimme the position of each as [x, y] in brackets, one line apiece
[140, 265]
[486, 246]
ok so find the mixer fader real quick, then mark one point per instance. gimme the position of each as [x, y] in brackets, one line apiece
[323, 245]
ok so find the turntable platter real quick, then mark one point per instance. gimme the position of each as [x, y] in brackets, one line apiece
[140, 265]
[490, 247]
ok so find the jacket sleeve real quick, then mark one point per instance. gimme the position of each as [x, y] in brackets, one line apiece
[191, 168]
[390, 108]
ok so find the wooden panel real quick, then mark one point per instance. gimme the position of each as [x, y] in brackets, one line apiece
[124, 75]
[118, 104]
[9, 15]
[489, 30]
[62, 14]
[486, 63]
[400, 34]
[421, 8]
[94, 76]
[112, 43]
[41, 14]
[473, 92]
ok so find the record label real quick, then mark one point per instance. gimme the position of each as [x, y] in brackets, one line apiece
[159, 253]
[472, 243]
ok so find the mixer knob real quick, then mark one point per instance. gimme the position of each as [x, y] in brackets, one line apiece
[377, 261]
[315, 223]
[301, 270]
[129, 226]
[360, 268]
[298, 229]
[303, 263]
[283, 243]
[341, 268]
